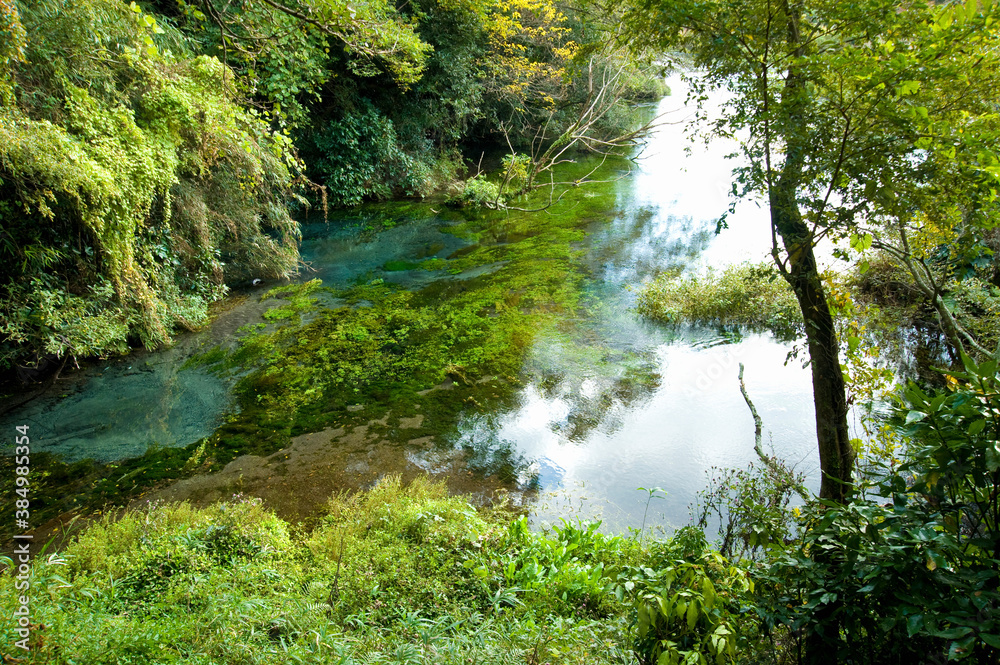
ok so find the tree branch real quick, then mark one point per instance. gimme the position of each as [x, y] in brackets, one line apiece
[769, 461]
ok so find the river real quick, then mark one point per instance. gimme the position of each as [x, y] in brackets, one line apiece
[598, 403]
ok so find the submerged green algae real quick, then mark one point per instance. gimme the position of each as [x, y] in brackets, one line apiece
[457, 345]
[377, 355]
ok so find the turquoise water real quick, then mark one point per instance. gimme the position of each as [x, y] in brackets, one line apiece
[609, 402]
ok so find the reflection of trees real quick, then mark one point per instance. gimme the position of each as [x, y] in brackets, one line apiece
[598, 385]
[489, 455]
[597, 393]
[599, 402]
[639, 243]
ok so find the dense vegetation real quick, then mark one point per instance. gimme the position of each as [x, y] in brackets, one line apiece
[404, 575]
[134, 186]
[155, 153]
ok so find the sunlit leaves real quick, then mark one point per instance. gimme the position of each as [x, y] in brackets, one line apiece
[531, 47]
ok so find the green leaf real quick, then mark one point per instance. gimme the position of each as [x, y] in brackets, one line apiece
[708, 591]
[692, 615]
[977, 427]
[852, 343]
[961, 648]
[861, 241]
[992, 458]
[915, 416]
[951, 633]
[643, 625]
[914, 623]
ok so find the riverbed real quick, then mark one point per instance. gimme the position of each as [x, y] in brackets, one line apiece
[593, 402]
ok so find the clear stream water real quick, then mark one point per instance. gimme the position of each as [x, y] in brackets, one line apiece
[590, 443]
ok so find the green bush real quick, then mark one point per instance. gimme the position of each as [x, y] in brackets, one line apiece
[361, 157]
[916, 577]
[745, 294]
[688, 603]
[752, 507]
[477, 192]
[133, 185]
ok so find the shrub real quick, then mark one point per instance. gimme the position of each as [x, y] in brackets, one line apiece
[916, 577]
[478, 192]
[360, 156]
[745, 294]
[133, 186]
[688, 603]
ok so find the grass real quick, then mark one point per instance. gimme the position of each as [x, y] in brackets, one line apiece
[751, 295]
[396, 574]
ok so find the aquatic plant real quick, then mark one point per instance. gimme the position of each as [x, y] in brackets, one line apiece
[746, 294]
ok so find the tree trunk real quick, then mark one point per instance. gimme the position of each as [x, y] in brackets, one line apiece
[836, 456]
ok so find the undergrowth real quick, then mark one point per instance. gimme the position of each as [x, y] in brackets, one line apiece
[396, 574]
[752, 295]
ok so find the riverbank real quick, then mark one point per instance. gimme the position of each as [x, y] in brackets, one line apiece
[401, 573]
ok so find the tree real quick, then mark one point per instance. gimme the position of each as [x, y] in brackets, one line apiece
[132, 185]
[825, 97]
[373, 34]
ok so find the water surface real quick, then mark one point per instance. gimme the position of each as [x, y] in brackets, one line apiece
[605, 403]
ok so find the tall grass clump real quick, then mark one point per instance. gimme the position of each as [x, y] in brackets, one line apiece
[745, 294]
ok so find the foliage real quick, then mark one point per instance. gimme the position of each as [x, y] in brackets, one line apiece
[954, 457]
[133, 186]
[155, 152]
[882, 584]
[400, 574]
[531, 47]
[361, 157]
[14, 43]
[571, 571]
[744, 294]
[751, 507]
[688, 603]
[915, 577]
[477, 192]
[969, 295]
[375, 38]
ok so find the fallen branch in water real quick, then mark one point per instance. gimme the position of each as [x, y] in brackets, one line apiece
[771, 462]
